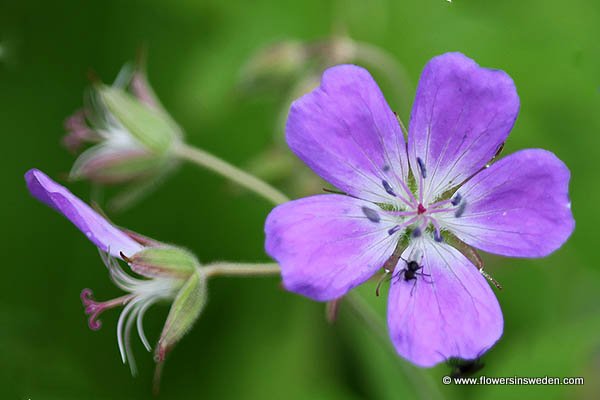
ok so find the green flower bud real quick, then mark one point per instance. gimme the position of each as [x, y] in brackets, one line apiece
[133, 138]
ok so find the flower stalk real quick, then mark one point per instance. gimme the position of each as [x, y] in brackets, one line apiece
[240, 269]
[206, 160]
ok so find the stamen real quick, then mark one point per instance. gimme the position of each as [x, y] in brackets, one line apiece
[411, 202]
[437, 233]
[422, 175]
[388, 188]
[457, 198]
[461, 209]
[128, 326]
[394, 229]
[403, 213]
[438, 210]
[140, 323]
[416, 233]
[371, 214]
[403, 225]
[439, 203]
[386, 168]
[411, 197]
[124, 344]
[422, 168]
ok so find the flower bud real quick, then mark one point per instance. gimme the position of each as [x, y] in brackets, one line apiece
[132, 137]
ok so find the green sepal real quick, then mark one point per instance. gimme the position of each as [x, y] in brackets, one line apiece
[184, 312]
[105, 165]
[152, 128]
[164, 261]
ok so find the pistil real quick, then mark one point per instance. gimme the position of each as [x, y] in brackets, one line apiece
[94, 308]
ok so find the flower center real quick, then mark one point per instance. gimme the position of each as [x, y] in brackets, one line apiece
[419, 214]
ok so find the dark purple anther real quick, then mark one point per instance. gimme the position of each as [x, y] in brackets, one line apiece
[460, 210]
[388, 188]
[457, 198]
[371, 214]
[394, 229]
[422, 168]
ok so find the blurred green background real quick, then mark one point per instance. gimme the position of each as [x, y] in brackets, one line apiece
[255, 341]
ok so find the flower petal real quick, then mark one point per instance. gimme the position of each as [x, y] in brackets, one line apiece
[519, 206]
[98, 230]
[461, 116]
[328, 244]
[450, 313]
[346, 132]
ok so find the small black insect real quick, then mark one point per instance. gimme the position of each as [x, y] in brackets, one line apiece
[460, 367]
[408, 273]
[411, 271]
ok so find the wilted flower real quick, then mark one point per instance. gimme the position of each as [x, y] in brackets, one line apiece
[164, 273]
[405, 202]
[133, 136]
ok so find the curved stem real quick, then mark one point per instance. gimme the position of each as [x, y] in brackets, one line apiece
[240, 269]
[233, 173]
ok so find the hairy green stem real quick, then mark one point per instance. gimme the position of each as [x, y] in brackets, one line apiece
[231, 172]
[240, 269]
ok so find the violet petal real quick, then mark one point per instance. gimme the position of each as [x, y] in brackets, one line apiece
[519, 206]
[453, 312]
[346, 132]
[98, 230]
[326, 245]
[461, 115]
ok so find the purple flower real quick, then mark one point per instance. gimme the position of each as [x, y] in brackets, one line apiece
[406, 201]
[170, 273]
